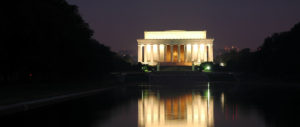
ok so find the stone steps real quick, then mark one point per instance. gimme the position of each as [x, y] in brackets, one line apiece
[175, 77]
[175, 68]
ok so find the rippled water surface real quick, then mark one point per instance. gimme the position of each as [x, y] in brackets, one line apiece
[181, 105]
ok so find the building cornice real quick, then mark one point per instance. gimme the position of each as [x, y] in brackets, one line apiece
[175, 41]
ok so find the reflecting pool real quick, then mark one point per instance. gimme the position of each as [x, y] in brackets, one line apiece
[183, 105]
[189, 109]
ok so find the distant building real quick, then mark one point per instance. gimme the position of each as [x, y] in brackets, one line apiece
[231, 48]
[124, 52]
[128, 55]
[226, 49]
[175, 47]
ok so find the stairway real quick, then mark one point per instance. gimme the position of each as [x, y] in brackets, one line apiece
[175, 68]
[177, 77]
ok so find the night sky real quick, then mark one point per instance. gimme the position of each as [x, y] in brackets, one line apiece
[242, 23]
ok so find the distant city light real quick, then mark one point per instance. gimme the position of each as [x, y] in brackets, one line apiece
[222, 64]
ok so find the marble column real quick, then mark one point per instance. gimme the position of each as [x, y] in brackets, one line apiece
[188, 53]
[145, 54]
[199, 53]
[155, 53]
[161, 53]
[152, 55]
[158, 53]
[165, 53]
[184, 52]
[195, 58]
[140, 57]
[192, 58]
[202, 53]
[211, 56]
[171, 53]
[178, 49]
[205, 53]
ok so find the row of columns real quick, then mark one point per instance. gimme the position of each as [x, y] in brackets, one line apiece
[154, 53]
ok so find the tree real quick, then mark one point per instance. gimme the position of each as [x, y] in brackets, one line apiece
[49, 40]
[277, 56]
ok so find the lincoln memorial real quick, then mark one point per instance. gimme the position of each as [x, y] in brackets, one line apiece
[175, 48]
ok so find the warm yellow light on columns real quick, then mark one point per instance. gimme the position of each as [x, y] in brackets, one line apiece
[184, 53]
[161, 52]
[175, 34]
[155, 53]
[148, 53]
[202, 53]
[189, 52]
[145, 54]
[205, 53]
[195, 52]
[199, 54]
[165, 53]
[152, 55]
[171, 53]
[210, 53]
[191, 48]
[178, 51]
[140, 53]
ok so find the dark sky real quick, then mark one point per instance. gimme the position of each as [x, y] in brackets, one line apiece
[243, 23]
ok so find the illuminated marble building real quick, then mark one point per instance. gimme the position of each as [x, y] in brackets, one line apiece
[189, 110]
[175, 47]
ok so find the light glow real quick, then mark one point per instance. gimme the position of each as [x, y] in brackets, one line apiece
[222, 64]
[148, 54]
[155, 52]
[189, 47]
[189, 110]
[155, 48]
[189, 51]
[222, 101]
[175, 34]
[207, 68]
[148, 48]
[195, 52]
[161, 52]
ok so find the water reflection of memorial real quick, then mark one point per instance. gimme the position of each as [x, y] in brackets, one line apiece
[187, 110]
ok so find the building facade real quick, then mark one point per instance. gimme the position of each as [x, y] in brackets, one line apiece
[175, 47]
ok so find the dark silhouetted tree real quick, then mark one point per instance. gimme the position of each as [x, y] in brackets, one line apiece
[278, 56]
[49, 40]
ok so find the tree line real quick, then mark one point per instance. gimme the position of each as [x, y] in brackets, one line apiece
[277, 56]
[47, 40]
